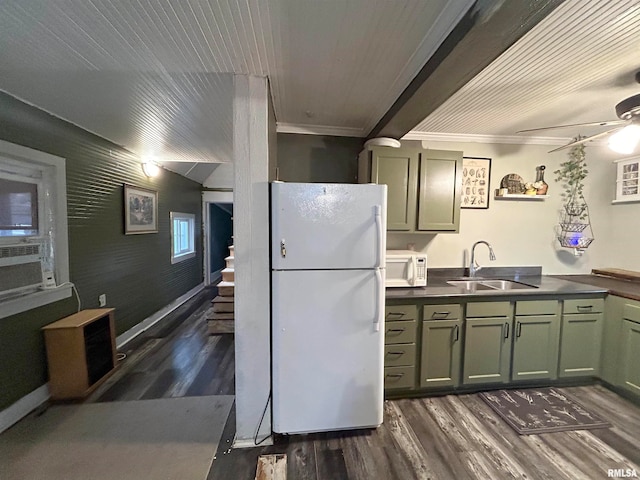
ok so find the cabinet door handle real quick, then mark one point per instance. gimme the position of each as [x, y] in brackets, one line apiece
[519, 332]
[506, 328]
[395, 330]
[395, 314]
[456, 333]
[585, 308]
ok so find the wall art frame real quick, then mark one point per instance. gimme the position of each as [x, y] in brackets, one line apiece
[140, 210]
[476, 174]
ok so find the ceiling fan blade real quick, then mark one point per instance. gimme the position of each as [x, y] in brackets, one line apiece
[589, 124]
[586, 139]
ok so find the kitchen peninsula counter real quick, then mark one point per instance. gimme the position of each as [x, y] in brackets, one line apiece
[614, 281]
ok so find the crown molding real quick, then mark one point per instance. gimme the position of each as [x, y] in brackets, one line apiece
[477, 138]
[319, 130]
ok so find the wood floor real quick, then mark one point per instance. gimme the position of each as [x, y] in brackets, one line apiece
[448, 437]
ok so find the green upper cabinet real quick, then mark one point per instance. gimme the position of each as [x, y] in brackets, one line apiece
[440, 187]
[424, 187]
[398, 169]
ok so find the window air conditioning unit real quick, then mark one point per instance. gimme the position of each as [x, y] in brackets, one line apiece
[20, 267]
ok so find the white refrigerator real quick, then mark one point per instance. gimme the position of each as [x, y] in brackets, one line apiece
[328, 245]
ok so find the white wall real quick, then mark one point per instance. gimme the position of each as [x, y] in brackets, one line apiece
[523, 232]
[251, 125]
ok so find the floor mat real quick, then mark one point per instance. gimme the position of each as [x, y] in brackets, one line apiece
[169, 438]
[541, 410]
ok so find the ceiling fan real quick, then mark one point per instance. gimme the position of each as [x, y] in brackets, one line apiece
[625, 136]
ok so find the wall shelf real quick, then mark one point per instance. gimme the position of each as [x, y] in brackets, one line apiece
[513, 196]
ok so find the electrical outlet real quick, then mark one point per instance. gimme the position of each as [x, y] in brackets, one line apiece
[103, 300]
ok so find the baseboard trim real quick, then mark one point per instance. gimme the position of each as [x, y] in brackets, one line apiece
[149, 322]
[23, 407]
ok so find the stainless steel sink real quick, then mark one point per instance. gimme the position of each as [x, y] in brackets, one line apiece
[489, 284]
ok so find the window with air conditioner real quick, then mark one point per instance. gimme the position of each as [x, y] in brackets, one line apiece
[33, 229]
[182, 236]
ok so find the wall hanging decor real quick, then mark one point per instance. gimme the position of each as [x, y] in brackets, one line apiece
[140, 210]
[475, 182]
[575, 230]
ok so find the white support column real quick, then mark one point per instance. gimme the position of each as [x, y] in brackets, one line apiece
[251, 239]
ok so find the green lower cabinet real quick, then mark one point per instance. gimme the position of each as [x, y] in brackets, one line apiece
[487, 350]
[580, 345]
[535, 347]
[440, 353]
[399, 378]
[630, 356]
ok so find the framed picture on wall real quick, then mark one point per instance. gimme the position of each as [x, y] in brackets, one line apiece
[475, 182]
[140, 210]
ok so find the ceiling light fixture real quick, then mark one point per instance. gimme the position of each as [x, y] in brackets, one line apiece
[382, 142]
[625, 141]
[150, 169]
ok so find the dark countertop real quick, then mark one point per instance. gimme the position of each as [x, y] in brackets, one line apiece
[615, 286]
[437, 286]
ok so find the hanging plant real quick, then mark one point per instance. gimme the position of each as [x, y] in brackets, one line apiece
[572, 174]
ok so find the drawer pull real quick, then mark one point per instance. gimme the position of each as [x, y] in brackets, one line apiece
[395, 330]
[440, 314]
[395, 375]
[585, 308]
[506, 330]
[395, 314]
[395, 353]
[456, 333]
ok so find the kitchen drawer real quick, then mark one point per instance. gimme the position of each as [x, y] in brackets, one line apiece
[397, 378]
[400, 332]
[488, 309]
[400, 312]
[631, 312]
[401, 355]
[537, 307]
[584, 305]
[441, 312]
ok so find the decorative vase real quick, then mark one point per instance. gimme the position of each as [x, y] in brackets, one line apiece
[540, 178]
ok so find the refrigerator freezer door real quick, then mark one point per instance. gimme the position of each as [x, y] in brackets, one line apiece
[327, 226]
[327, 355]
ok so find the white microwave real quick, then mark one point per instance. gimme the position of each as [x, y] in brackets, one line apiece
[406, 268]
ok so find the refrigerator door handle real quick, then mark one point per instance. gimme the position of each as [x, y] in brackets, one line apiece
[378, 215]
[380, 300]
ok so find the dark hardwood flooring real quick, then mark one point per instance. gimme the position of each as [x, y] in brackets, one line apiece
[175, 358]
[446, 437]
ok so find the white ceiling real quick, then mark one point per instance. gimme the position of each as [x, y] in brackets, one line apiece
[573, 67]
[156, 76]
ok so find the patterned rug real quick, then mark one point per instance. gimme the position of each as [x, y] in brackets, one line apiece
[541, 410]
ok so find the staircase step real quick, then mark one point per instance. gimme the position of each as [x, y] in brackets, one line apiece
[225, 289]
[229, 261]
[228, 275]
[221, 307]
[213, 315]
[220, 299]
[215, 327]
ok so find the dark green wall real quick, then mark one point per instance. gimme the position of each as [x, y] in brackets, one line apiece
[318, 158]
[134, 271]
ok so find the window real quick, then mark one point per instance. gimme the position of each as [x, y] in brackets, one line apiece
[182, 235]
[34, 260]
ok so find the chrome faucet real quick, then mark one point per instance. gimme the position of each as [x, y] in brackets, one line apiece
[473, 265]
